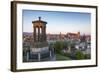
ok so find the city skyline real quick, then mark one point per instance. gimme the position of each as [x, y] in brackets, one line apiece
[57, 22]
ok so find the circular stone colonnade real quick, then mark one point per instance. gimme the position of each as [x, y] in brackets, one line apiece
[39, 50]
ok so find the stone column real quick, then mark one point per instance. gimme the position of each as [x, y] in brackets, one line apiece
[42, 34]
[38, 34]
[27, 56]
[45, 33]
[34, 34]
[50, 55]
[39, 56]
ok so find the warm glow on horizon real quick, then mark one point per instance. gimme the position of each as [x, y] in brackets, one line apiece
[64, 22]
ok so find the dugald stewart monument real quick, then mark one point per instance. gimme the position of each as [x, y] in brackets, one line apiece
[38, 49]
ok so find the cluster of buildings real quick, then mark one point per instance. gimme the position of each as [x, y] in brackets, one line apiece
[68, 36]
[36, 44]
[81, 42]
[28, 37]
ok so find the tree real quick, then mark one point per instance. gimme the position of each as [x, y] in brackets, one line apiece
[65, 44]
[79, 55]
[58, 46]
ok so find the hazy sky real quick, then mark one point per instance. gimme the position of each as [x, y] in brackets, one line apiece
[57, 22]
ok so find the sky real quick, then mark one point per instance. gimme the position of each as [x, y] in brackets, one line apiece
[57, 22]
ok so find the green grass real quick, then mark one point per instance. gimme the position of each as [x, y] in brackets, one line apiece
[61, 57]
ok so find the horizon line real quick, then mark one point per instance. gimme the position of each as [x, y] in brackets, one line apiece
[64, 33]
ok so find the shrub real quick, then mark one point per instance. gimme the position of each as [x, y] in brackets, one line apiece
[79, 55]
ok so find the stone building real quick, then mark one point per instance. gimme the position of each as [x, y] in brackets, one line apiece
[73, 35]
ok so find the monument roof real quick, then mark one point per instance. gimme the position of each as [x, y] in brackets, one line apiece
[39, 21]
